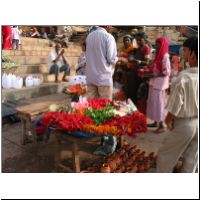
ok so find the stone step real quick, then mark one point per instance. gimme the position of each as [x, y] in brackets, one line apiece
[34, 41]
[37, 60]
[22, 69]
[30, 60]
[68, 52]
[31, 92]
[26, 52]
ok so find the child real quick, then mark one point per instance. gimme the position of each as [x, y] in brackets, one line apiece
[15, 37]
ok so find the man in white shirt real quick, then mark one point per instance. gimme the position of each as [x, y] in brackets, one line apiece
[101, 56]
[182, 117]
[57, 62]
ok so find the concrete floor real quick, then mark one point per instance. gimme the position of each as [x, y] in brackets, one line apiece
[39, 158]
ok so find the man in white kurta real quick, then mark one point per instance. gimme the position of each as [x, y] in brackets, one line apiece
[182, 118]
[101, 56]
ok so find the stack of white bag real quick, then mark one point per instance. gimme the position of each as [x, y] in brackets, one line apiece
[16, 82]
[12, 81]
[79, 79]
[31, 81]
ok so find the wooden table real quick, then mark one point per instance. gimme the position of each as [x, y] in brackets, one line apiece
[29, 113]
[76, 141]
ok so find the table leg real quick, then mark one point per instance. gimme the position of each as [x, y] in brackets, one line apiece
[75, 157]
[57, 158]
[33, 132]
[23, 131]
[121, 141]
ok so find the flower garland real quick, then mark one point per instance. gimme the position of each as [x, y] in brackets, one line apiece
[64, 121]
[99, 118]
[100, 103]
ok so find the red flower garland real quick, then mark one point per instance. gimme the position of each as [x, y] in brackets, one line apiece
[131, 124]
[100, 103]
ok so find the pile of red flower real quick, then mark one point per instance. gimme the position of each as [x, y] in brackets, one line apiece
[130, 124]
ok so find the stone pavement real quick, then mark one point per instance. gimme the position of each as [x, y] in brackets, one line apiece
[40, 158]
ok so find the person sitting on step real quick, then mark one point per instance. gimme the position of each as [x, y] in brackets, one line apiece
[57, 62]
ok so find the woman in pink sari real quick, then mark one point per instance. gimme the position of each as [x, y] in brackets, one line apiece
[6, 36]
[158, 83]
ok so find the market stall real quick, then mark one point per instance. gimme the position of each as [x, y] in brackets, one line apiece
[90, 118]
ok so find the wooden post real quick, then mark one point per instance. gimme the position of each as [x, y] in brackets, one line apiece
[121, 141]
[75, 157]
[23, 133]
[57, 158]
[33, 132]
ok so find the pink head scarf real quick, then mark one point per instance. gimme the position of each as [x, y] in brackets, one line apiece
[157, 63]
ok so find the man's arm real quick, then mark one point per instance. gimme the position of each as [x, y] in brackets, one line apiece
[58, 56]
[111, 51]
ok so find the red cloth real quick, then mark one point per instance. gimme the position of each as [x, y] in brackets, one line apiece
[146, 50]
[157, 63]
[176, 63]
[6, 36]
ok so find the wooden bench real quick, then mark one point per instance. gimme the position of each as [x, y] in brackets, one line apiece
[37, 107]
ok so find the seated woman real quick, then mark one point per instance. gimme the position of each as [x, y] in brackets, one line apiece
[82, 61]
[35, 33]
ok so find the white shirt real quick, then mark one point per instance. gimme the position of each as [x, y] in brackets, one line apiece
[101, 54]
[15, 33]
[183, 101]
[52, 56]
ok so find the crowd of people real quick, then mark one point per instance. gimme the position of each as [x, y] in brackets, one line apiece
[178, 115]
[11, 35]
[104, 67]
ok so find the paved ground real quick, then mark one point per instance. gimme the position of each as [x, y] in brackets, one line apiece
[40, 158]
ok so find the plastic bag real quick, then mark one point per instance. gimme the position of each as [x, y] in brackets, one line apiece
[7, 81]
[36, 81]
[29, 81]
[77, 79]
[19, 82]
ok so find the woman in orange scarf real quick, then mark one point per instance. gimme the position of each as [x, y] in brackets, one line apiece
[123, 65]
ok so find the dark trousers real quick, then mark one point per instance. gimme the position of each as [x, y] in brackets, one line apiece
[55, 69]
[133, 84]
[15, 43]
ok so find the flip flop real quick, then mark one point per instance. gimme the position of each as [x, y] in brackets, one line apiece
[159, 130]
[153, 125]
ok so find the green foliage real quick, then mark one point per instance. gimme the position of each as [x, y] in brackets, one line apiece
[100, 116]
[7, 62]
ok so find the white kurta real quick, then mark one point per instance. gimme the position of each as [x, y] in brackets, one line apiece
[183, 139]
[101, 55]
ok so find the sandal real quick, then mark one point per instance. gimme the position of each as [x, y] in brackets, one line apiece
[159, 130]
[153, 125]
